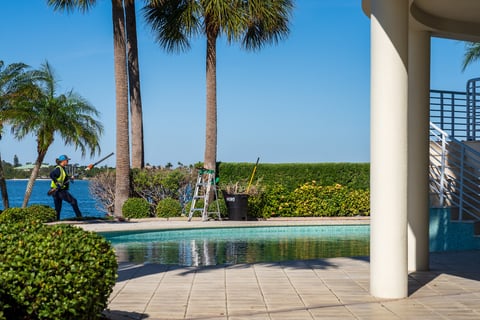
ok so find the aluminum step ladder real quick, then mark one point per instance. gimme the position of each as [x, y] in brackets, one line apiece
[205, 185]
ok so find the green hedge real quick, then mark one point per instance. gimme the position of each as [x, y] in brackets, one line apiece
[293, 175]
[54, 272]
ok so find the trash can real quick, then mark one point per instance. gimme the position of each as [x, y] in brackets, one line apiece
[237, 206]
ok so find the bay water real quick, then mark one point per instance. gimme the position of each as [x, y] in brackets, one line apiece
[79, 189]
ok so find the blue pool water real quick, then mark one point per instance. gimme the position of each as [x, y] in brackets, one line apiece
[215, 246]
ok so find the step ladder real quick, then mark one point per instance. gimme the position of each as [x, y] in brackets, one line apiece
[204, 187]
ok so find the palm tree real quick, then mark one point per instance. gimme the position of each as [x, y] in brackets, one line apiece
[68, 115]
[138, 154]
[12, 78]
[252, 22]
[122, 166]
[472, 54]
[122, 79]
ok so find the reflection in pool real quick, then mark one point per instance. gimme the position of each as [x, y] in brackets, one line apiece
[214, 246]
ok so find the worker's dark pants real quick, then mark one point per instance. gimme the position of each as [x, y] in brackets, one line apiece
[64, 195]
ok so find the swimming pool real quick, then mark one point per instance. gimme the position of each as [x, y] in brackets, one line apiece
[216, 246]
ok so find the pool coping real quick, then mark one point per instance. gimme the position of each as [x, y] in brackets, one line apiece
[183, 223]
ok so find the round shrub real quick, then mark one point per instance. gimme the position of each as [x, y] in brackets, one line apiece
[64, 272]
[136, 208]
[37, 212]
[168, 207]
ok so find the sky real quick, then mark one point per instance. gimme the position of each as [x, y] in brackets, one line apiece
[303, 100]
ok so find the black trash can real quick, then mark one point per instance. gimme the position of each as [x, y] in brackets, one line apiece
[237, 206]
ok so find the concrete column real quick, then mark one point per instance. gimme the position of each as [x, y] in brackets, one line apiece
[388, 176]
[418, 149]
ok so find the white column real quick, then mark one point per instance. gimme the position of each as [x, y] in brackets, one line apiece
[388, 180]
[418, 149]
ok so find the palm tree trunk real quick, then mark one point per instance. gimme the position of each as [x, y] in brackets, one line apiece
[122, 178]
[138, 153]
[33, 177]
[211, 125]
[3, 187]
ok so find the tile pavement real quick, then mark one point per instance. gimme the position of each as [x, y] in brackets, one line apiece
[333, 288]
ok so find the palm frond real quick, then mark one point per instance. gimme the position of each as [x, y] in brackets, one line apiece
[471, 55]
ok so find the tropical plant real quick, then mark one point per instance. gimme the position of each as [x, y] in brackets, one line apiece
[12, 78]
[472, 54]
[122, 11]
[68, 115]
[122, 166]
[138, 153]
[253, 22]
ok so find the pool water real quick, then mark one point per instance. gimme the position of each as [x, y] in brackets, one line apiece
[218, 246]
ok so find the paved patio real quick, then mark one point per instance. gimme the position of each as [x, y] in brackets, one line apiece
[334, 288]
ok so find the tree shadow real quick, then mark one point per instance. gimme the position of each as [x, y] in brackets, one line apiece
[123, 315]
[463, 264]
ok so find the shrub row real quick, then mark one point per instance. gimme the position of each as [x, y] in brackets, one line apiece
[308, 200]
[279, 186]
[141, 208]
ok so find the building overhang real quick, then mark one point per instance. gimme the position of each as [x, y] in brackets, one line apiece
[459, 19]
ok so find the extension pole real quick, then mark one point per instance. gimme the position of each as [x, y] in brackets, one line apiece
[253, 173]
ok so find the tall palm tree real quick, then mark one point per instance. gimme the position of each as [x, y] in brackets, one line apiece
[122, 79]
[12, 78]
[40, 111]
[252, 22]
[472, 54]
[138, 154]
[122, 166]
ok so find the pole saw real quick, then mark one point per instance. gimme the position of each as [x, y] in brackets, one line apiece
[253, 173]
[90, 166]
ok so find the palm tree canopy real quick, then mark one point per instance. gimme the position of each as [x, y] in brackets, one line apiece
[42, 112]
[12, 77]
[12, 82]
[254, 22]
[71, 5]
[472, 54]
[267, 22]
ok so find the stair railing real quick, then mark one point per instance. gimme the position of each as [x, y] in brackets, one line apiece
[454, 173]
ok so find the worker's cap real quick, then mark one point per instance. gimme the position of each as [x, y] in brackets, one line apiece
[63, 158]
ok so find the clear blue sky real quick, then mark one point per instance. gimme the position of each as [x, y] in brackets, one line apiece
[303, 100]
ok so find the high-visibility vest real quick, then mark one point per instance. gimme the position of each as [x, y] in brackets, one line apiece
[60, 179]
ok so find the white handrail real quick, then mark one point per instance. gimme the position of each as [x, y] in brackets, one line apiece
[454, 173]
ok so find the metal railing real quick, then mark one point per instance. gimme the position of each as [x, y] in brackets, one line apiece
[454, 174]
[448, 110]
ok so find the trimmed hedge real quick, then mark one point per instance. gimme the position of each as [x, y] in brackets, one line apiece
[293, 175]
[54, 272]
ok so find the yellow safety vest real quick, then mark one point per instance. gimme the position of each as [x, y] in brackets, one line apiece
[60, 179]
